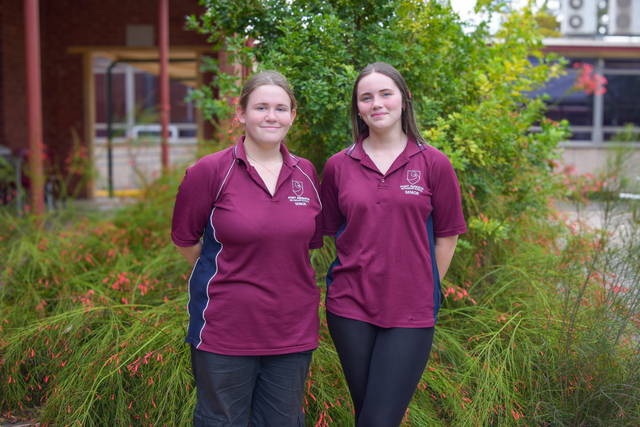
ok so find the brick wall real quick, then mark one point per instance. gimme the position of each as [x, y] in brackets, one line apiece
[13, 85]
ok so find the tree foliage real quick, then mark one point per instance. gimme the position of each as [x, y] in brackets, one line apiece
[548, 22]
[469, 90]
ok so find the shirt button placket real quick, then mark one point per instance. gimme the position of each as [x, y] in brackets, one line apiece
[382, 185]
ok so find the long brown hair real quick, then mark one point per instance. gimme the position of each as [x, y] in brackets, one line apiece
[268, 77]
[409, 124]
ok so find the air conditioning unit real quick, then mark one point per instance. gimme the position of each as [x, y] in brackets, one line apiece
[580, 17]
[624, 17]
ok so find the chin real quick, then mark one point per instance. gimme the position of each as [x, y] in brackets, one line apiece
[381, 126]
[272, 141]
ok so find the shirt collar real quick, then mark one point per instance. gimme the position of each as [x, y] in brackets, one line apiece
[239, 153]
[357, 152]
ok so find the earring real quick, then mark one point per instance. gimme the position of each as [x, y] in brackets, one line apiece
[359, 115]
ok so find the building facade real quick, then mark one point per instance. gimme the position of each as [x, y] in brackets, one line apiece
[596, 120]
[78, 41]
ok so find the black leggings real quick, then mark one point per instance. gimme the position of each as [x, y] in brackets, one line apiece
[382, 366]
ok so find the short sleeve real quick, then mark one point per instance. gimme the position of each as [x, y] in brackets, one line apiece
[448, 219]
[332, 217]
[194, 203]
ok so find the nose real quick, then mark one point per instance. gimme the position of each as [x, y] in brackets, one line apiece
[377, 102]
[271, 115]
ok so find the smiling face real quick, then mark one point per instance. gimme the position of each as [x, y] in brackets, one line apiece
[268, 115]
[379, 102]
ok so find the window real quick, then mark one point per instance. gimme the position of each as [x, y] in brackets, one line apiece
[134, 104]
[622, 64]
[597, 119]
[577, 107]
[622, 100]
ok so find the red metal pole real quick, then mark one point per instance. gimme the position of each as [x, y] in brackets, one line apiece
[34, 103]
[163, 42]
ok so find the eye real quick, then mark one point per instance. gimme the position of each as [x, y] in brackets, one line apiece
[386, 94]
[281, 109]
[366, 98]
[260, 108]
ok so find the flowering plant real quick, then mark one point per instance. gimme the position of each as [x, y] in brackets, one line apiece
[590, 82]
[586, 80]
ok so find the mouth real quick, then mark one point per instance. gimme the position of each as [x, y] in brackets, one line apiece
[378, 114]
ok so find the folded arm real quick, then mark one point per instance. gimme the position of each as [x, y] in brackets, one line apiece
[191, 253]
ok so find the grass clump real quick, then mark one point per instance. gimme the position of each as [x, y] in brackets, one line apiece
[539, 325]
[93, 317]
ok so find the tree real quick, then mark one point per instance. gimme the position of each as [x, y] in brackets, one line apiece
[470, 90]
[547, 22]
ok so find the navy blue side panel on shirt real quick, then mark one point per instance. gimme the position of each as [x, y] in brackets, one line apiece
[336, 261]
[203, 273]
[437, 287]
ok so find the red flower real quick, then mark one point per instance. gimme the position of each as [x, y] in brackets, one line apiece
[588, 81]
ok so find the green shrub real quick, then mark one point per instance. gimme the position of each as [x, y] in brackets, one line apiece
[93, 321]
[470, 91]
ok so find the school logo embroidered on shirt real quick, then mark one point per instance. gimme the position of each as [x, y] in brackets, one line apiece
[413, 177]
[298, 189]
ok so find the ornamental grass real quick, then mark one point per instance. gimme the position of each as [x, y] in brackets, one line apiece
[539, 324]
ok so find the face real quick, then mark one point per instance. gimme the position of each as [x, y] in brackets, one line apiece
[268, 115]
[379, 102]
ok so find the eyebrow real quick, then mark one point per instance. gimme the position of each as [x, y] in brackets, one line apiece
[266, 103]
[381, 90]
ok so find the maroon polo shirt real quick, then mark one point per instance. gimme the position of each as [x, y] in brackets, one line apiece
[385, 226]
[253, 290]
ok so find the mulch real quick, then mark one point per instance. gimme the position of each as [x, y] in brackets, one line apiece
[14, 420]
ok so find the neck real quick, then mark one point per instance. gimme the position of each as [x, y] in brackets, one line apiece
[392, 139]
[261, 153]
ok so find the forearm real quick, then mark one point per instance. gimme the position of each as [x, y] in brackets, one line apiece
[191, 253]
[445, 247]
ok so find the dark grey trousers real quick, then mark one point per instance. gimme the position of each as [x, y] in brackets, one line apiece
[232, 389]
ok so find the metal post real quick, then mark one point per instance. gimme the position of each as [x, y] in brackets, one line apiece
[109, 129]
[34, 102]
[598, 107]
[130, 99]
[163, 42]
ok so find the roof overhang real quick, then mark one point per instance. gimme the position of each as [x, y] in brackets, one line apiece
[625, 47]
[183, 60]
